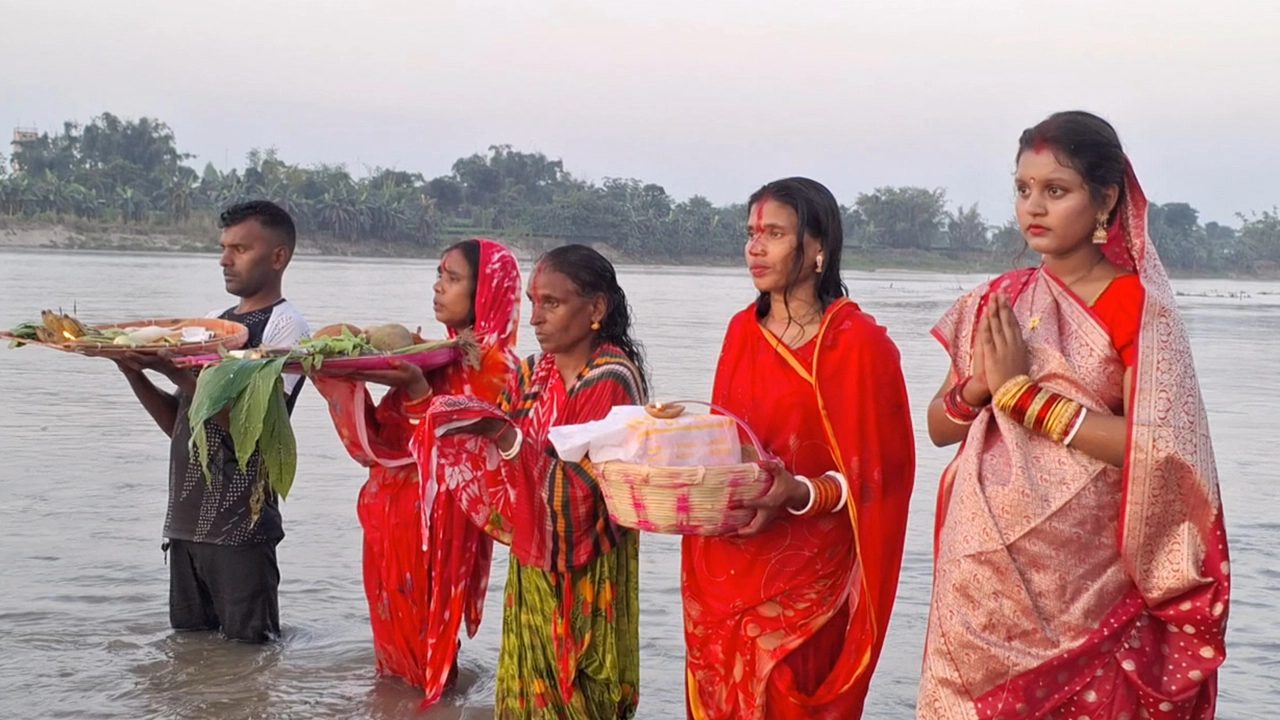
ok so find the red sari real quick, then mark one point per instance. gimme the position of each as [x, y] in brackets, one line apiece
[422, 586]
[789, 623]
[1064, 587]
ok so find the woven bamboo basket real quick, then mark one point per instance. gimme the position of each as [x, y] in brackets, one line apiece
[697, 500]
[227, 335]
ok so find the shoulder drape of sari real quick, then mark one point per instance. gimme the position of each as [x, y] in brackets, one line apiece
[1063, 585]
[755, 608]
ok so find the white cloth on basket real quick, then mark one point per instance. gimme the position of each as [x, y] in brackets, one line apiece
[629, 434]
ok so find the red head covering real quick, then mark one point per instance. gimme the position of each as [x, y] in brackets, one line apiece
[497, 313]
[497, 305]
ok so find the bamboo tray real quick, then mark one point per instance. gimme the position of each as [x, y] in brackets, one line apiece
[227, 335]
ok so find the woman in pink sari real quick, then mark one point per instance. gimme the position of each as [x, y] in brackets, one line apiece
[1081, 564]
[421, 586]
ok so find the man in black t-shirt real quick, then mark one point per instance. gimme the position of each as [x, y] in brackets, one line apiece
[222, 571]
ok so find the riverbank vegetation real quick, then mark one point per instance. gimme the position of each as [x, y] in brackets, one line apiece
[129, 177]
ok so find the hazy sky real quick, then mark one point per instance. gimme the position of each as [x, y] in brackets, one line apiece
[701, 96]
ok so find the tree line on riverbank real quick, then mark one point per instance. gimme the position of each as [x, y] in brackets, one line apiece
[131, 172]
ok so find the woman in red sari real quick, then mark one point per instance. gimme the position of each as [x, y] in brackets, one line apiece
[422, 587]
[1081, 565]
[787, 619]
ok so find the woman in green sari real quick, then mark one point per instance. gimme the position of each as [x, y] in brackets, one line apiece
[570, 645]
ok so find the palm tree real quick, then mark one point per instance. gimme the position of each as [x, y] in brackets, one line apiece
[178, 197]
[132, 206]
[968, 230]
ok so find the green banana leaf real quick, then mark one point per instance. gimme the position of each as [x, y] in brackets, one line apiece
[278, 445]
[217, 387]
[250, 408]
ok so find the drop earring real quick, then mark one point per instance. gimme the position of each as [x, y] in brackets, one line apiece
[1100, 232]
[819, 262]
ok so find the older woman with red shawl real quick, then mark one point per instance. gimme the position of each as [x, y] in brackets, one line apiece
[1081, 564]
[570, 627]
[422, 586]
[787, 619]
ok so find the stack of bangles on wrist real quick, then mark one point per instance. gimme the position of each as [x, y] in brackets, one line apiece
[827, 494]
[958, 410]
[1039, 410]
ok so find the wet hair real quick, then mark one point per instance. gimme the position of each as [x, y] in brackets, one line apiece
[817, 216]
[1085, 143]
[470, 251]
[593, 275]
[268, 214]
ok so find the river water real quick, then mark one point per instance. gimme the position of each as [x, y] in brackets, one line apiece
[83, 614]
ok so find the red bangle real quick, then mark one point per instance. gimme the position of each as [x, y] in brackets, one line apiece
[1041, 411]
[956, 407]
[1050, 402]
[826, 495]
[1023, 403]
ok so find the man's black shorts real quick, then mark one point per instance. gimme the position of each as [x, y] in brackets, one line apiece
[229, 588]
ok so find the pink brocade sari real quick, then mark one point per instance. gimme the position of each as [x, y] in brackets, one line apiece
[1064, 587]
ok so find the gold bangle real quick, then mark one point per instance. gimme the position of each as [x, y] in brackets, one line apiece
[1050, 422]
[1008, 393]
[1033, 410]
[1062, 423]
[1054, 417]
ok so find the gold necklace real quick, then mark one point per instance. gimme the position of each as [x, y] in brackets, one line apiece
[1088, 272]
[1035, 321]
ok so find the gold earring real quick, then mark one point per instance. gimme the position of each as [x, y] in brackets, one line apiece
[1100, 232]
[819, 263]
[595, 326]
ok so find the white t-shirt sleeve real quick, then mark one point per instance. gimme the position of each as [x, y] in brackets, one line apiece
[286, 328]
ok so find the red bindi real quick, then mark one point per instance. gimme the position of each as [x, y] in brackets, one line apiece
[760, 215]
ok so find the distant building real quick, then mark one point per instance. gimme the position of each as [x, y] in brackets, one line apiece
[20, 136]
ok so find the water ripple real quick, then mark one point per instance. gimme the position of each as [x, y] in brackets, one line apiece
[82, 496]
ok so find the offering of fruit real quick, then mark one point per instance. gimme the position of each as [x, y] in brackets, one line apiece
[65, 332]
